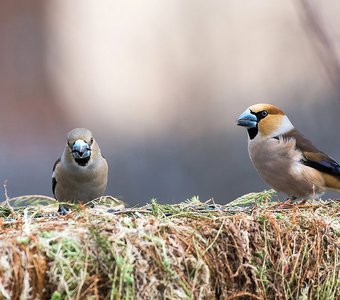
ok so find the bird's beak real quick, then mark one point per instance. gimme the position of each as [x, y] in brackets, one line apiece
[81, 149]
[247, 119]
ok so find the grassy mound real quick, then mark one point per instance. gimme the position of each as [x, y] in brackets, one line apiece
[249, 249]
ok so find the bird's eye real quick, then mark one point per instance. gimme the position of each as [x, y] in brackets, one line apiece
[264, 113]
[91, 142]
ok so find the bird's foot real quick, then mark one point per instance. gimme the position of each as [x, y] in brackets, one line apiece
[63, 210]
[302, 202]
[289, 203]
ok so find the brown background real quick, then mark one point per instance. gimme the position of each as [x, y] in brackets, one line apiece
[160, 84]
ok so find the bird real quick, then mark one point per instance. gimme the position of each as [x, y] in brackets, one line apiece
[81, 173]
[284, 158]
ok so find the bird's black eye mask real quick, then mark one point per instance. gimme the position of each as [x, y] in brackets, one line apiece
[260, 115]
[252, 132]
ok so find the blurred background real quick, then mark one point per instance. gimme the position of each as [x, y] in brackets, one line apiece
[160, 84]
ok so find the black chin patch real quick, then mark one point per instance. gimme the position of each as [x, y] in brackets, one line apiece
[82, 161]
[252, 132]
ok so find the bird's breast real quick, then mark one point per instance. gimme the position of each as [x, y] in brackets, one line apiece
[278, 163]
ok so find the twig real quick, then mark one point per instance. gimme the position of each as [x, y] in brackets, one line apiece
[7, 198]
[215, 238]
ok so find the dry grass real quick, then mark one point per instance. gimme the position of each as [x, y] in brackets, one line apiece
[250, 249]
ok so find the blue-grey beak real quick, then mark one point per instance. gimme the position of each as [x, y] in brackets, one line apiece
[247, 119]
[81, 149]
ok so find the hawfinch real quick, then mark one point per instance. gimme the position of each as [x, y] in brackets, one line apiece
[80, 175]
[283, 157]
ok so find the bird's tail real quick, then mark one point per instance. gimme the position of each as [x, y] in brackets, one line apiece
[332, 182]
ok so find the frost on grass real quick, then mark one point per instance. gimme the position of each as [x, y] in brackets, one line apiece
[248, 249]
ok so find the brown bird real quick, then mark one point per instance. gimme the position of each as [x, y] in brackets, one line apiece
[80, 175]
[283, 157]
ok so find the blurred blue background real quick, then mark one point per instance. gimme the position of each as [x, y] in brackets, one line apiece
[160, 84]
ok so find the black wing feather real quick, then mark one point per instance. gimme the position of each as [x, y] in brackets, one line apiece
[54, 181]
[327, 165]
[54, 184]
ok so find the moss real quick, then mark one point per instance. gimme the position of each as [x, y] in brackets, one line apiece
[248, 249]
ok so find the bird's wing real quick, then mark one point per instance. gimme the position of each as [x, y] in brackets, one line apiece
[313, 157]
[322, 162]
[54, 180]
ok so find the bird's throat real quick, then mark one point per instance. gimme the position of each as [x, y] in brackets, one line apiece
[252, 132]
[82, 161]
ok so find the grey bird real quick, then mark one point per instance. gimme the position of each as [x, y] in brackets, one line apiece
[80, 175]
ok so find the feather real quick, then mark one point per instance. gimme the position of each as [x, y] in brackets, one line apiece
[81, 173]
[313, 157]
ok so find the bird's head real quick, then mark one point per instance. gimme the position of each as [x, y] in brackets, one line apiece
[265, 120]
[82, 145]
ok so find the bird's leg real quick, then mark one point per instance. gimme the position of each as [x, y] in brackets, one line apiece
[290, 200]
